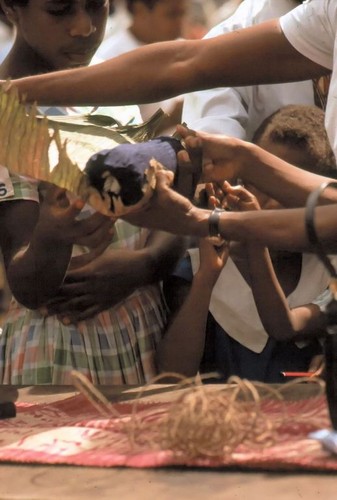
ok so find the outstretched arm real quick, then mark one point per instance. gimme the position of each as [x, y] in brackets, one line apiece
[254, 55]
[227, 158]
[280, 229]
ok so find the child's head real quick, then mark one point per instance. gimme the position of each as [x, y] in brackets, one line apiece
[58, 34]
[158, 20]
[296, 133]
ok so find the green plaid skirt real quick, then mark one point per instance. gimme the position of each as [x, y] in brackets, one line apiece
[115, 347]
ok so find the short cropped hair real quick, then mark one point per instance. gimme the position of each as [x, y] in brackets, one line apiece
[301, 127]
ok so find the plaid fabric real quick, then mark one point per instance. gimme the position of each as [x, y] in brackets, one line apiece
[115, 347]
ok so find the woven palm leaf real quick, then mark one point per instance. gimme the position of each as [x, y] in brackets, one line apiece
[138, 133]
[57, 149]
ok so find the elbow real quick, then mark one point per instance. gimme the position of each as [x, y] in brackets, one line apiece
[28, 295]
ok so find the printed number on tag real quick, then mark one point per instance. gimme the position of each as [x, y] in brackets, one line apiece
[3, 190]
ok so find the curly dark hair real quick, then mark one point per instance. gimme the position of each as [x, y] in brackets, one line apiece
[301, 127]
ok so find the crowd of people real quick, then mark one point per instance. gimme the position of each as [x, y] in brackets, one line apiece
[225, 281]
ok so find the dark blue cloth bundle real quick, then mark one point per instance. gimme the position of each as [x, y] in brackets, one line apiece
[120, 174]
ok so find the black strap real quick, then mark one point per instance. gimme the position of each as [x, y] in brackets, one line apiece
[310, 226]
[213, 223]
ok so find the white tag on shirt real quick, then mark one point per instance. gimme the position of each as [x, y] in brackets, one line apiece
[6, 185]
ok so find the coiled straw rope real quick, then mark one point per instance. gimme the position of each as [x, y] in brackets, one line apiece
[208, 420]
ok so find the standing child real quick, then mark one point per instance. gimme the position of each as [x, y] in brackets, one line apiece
[108, 316]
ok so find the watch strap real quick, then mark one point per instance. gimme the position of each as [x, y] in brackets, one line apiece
[213, 223]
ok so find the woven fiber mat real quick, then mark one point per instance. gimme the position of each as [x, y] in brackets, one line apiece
[73, 432]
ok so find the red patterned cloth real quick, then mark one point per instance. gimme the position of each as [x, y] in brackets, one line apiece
[72, 432]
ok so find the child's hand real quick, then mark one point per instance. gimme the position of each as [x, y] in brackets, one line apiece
[239, 199]
[216, 197]
[228, 197]
[212, 258]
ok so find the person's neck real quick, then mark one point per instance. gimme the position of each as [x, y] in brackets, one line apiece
[22, 61]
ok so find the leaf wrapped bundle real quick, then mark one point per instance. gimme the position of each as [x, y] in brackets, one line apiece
[57, 149]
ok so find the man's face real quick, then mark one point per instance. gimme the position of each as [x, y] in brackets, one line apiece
[64, 33]
[166, 19]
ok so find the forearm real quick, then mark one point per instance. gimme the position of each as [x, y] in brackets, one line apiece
[279, 229]
[35, 263]
[115, 274]
[163, 251]
[226, 158]
[282, 181]
[37, 271]
[181, 349]
[270, 300]
[291, 186]
[147, 265]
[126, 79]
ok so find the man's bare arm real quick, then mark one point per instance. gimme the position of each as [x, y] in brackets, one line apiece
[254, 55]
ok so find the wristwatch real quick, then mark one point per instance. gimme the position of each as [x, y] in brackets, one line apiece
[213, 223]
[213, 227]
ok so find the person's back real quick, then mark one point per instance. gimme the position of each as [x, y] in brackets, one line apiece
[239, 111]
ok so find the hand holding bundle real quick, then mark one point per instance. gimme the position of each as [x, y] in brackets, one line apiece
[109, 170]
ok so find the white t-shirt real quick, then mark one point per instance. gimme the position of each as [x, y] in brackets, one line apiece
[311, 29]
[122, 42]
[238, 111]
